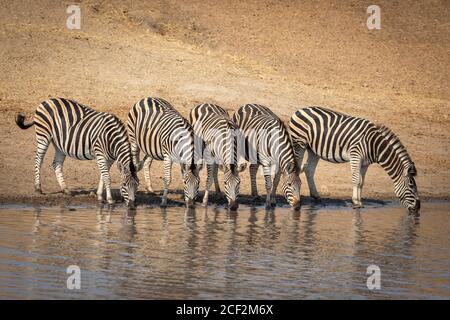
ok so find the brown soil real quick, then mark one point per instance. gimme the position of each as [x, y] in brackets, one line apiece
[279, 53]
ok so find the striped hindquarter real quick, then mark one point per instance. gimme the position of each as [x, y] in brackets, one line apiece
[338, 138]
[159, 131]
[82, 133]
[218, 149]
[267, 143]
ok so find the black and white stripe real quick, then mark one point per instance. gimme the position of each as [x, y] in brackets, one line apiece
[218, 148]
[339, 138]
[267, 143]
[161, 133]
[82, 133]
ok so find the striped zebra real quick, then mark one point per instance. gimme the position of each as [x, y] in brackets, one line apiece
[80, 132]
[219, 149]
[161, 133]
[267, 143]
[338, 138]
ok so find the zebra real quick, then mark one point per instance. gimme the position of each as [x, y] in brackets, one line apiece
[339, 138]
[267, 143]
[80, 132]
[161, 133]
[219, 148]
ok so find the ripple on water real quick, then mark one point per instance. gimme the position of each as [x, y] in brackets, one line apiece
[319, 252]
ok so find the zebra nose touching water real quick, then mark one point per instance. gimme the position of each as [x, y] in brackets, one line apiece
[158, 131]
[82, 133]
[338, 138]
[218, 147]
[267, 143]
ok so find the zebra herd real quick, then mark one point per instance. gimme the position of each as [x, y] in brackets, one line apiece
[252, 136]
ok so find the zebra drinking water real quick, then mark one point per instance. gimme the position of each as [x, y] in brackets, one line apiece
[338, 138]
[219, 148]
[267, 143]
[80, 132]
[161, 133]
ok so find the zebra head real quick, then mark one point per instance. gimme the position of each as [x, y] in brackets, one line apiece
[394, 158]
[231, 184]
[130, 183]
[191, 181]
[406, 189]
[291, 186]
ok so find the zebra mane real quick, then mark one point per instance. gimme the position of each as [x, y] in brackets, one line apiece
[393, 140]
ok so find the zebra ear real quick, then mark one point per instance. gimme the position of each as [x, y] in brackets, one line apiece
[242, 166]
[291, 167]
[412, 171]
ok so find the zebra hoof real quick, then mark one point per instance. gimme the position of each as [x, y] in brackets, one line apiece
[111, 201]
[256, 198]
[269, 206]
[316, 198]
[357, 205]
[38, 191]
[67, 192]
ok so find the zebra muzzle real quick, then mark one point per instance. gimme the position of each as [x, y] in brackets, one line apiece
[233, 205]
[296, 205]
[190, 203]
[131, 205]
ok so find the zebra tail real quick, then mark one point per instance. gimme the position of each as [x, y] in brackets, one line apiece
[20, 121]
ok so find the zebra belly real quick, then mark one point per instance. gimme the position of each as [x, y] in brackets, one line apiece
[334, 157]
[153, 154]
[89, 155]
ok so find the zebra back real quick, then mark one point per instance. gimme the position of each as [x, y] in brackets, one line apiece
[81, 132]
[266, 137]
[218, 132]
[329, 134]
[160, 130]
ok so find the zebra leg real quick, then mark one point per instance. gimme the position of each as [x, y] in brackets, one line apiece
[299, 153]
[100, 189]
[276, 181]
[310, 169]
[209, 182]
[216, 178]
[148, 180]
[362, 174]
[253, 170]
[268, 182]
[166, 180]
[104, 166]
[135, 152]
[359, 171]
[58, 163]
[357, 180]
[42, 146]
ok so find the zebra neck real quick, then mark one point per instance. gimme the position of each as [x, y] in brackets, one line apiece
[393, 170]
[393, 162]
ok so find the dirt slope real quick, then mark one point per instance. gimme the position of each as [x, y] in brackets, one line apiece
[280, 53]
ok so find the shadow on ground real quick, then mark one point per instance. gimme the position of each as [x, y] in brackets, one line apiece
[81, 197]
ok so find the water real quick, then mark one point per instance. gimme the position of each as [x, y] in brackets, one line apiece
[253, 254]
